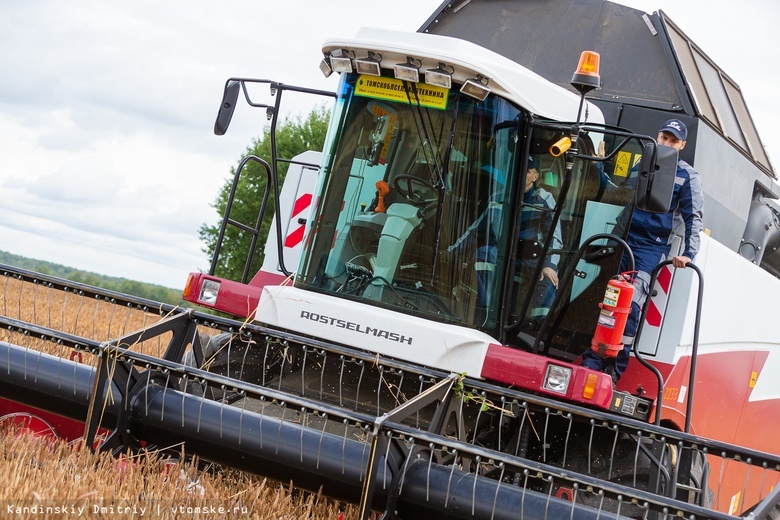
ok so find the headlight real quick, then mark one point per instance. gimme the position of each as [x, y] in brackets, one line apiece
[557, 379]
[209, 291]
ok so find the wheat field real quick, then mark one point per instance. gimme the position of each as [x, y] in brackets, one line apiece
[45, 477]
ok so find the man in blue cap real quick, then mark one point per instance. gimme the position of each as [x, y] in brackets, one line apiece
[650, 236]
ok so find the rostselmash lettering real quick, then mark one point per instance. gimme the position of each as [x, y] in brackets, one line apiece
[357, 327]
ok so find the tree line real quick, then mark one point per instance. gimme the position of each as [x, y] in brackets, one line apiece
[149, 291]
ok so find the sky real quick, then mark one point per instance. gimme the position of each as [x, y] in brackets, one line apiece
[108, 161]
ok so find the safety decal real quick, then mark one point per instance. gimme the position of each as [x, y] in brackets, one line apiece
[624, 162]
[611, 296]
[295, 236]
[664, 281]
[391, 89]
[734, 505]
[607, 319]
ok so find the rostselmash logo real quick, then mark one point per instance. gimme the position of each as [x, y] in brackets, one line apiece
[675, 125]
[357, 327]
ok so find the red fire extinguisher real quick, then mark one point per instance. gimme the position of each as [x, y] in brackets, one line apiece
[608, 338]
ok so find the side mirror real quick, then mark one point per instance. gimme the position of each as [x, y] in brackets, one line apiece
[225, 114]
[655, 183]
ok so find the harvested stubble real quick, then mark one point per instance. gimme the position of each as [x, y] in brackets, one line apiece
[44, 479]
[41, 478]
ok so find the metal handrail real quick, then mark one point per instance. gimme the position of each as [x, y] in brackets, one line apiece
[694, 346]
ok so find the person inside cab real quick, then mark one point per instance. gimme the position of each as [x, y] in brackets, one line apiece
[536, 218]
[536, 221]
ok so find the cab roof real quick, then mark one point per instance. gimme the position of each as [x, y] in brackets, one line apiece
[506, 78]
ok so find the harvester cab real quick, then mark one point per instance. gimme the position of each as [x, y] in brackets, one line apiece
[444, 195]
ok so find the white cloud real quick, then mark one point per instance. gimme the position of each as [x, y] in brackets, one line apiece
[108, 160]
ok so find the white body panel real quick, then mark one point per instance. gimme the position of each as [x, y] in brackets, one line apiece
[739, 312]
[295, 202]
[447, 347]
[507, 78]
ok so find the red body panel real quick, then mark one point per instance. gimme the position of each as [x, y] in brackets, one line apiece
[722, 410]
[234, 298]
[721, 396]
[525, 370]
[63, 427]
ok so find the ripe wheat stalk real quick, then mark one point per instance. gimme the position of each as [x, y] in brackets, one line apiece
[44, 477]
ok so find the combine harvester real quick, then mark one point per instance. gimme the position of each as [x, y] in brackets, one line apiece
[407, 366]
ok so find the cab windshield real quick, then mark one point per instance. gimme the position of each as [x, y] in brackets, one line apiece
[411, 214]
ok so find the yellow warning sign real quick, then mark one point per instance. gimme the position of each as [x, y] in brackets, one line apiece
[391, 89]
[624, 162]
[734, 505]
[753, 379]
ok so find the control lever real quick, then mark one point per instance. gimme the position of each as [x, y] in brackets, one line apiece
[358, 271]
[599, 253]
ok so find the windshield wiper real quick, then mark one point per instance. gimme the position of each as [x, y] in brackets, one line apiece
[425, 131]
[435, 169]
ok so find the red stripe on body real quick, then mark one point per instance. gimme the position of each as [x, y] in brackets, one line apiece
[303, 202]
[665, 279]
[294, 238]
[653, 316]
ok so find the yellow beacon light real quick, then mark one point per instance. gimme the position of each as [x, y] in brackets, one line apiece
[589, 63]
[587, 77]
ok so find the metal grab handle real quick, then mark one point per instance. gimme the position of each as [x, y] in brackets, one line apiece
[694, 346]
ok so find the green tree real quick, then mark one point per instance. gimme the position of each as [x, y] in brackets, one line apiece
[293, 136]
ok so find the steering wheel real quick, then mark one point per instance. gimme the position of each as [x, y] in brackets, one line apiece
[415, 190]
